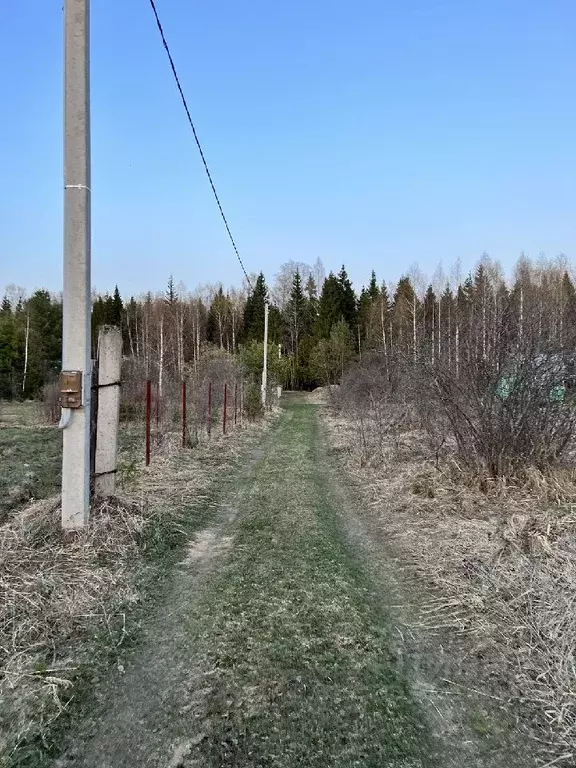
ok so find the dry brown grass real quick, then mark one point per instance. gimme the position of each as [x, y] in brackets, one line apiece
[494, 564]
[65, 599]
[54, 592]
[321, 395]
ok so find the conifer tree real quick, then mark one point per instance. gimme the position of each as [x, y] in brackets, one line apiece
[254, 311]
[347, 299]
[329, 307]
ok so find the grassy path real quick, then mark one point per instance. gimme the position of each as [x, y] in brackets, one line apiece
[274, 650]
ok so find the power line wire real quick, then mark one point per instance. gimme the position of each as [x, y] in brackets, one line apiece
[197, 140]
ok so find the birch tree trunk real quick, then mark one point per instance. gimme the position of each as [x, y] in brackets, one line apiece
[26, 344]
[130, 339]
[433, 335]
[457, 348]
[449, 339]
[161, 357]
[414, 325]
[439, 330]
[521, 326]
[136, 333]
[484, 322]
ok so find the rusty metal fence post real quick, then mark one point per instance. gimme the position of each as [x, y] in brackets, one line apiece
[148, 417]
[184, 416]
[209, 425]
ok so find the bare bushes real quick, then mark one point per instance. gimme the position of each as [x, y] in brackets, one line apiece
[469, 472]
[500, 418]
[375, 397]
[504, 417]
[205, 382]
[491, 575]
[51, 402]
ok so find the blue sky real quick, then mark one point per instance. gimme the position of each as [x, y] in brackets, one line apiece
[374, 133]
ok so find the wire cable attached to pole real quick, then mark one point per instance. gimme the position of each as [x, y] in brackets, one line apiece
[197, 140]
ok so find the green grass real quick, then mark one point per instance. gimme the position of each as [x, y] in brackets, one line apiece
[30, 461]
[303, 671]
[21, 414]
[31, 455]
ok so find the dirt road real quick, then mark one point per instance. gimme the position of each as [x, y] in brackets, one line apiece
[273, 646]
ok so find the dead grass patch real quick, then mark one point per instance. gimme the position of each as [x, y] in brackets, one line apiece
[55, 593]
[495, 565]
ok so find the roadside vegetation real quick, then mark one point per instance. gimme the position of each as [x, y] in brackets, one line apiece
[72, 609]
[469, 485]
[30, 459]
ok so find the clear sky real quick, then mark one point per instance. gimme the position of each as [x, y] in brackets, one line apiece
[371, 132]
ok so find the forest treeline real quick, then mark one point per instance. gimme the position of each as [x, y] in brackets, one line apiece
[318, 325]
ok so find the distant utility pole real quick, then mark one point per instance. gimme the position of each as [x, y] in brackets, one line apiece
[265, 368]
[76, 357]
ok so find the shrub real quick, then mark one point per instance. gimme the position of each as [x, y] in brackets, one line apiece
[253, 402]
[51, 402]
[507, 417]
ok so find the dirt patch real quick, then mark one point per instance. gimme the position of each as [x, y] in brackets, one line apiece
[158, 700]
[207, 545]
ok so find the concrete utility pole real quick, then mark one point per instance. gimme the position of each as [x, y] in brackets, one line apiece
[76, 363]
[109, 372]
[265, 368]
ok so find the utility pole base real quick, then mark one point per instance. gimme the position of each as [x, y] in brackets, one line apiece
[76, 468]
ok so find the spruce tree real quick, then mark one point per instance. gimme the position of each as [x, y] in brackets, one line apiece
[373, 290]
[311, 289]
[311, 308]
[117, 308]
[45, 341]
[9, 349]
[347, 299]
[329, 307]
[430, 320]
[295, 315]
[254, 311]
[275, 325]
[364, 311]
[170, 296]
